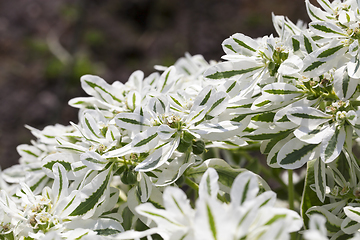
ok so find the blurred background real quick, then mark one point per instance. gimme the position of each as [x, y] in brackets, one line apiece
[45, 46]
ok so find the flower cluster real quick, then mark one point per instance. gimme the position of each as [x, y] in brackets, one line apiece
[121, 171]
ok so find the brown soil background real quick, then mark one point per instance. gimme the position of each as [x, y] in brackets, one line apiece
[109, 38]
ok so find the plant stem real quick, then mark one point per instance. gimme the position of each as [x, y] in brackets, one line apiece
[291, 196]
[192, 184]
[291, 190]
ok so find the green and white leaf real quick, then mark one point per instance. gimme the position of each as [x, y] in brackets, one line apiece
[146, 140]
[344, 85]
[274, 147]
[144, 187]
[99, 88]
[333, 223]
[159, 156]
[226, 173]
[307, 116]
[353, 67]
[353, 213]
[132, 121]
[320, 179]
[245, 188]
[60, 185]
[291, 66]
[332, 143]
[218, 131]
[327, 29]
[239, 44]
[349, 226]
[233, 70]
[93, 160]
[296, 153]
[91, 195]
[315, 13]
[313, 136]
[208, 186]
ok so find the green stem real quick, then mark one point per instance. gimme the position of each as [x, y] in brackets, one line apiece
[291, 197]
[192, 184]
[291, 190]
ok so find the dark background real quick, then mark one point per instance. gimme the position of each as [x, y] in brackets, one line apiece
[45, 46]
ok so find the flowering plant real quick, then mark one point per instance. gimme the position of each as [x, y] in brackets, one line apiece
[166, 156]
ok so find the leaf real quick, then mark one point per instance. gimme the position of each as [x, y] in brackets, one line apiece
[333, 223]
[61, 158]
[226, 173]
[99, 88]
[209, 186]
[291, 66]
[327, 29]
[90, 126]
[312, 136]
[233, 70]
[92, 194]
[176, 202]
[93, 160]
[349, 226]
[159, 156]
[145, 141]
[332, 144]
[60, 185]
[131, 121]
[218, 131]
[266, 134]
[296, 153]
[353, 67]
[245, 188]
[320, 179]
[240, 44]
[144, 187]
[315, 13]
[307, 116]
[309, 197]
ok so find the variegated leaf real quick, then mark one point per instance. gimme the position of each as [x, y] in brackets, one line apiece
[219, 131]
[61, 158]
[320, 179]
[315, 13]
[91, 195]
[333, 223]
[93, 160]
[344, 85]
[165, 132]
[327, 29]
[60, 185]
[296, 153]
[146, 140]
[245, 188]
[159, 156]
[353, 67]
[233, 70]
[332, 144]
[307, 116]
[353, 213]
[349, 226]
[312, 136]
[240, 44]
[291, 66]
[175, 201]
[99, 88]
[132, 121]
[144, 187]
[209, 186]
[226, 173]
